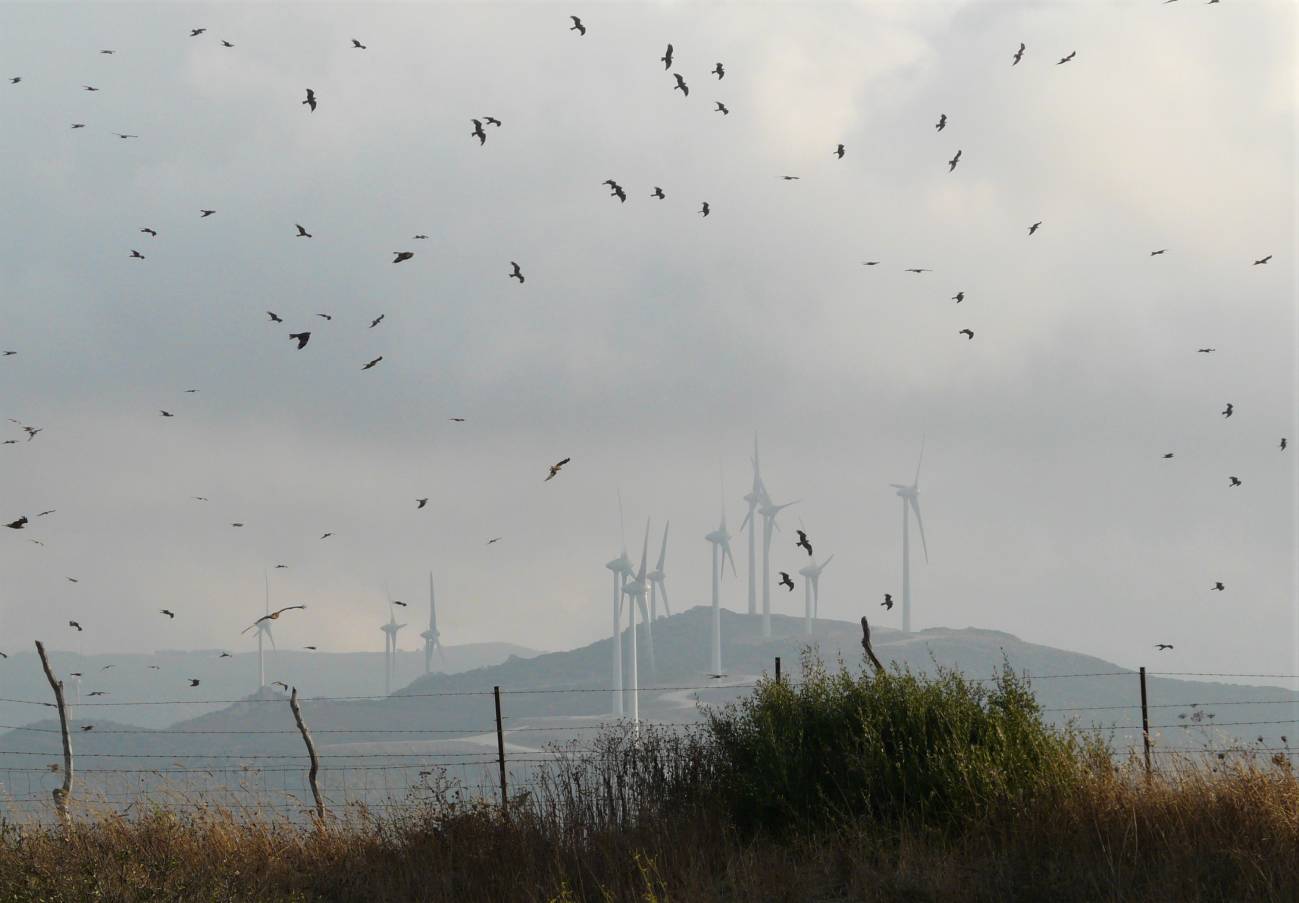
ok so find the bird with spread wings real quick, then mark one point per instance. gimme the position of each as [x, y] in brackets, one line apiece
[271, 617]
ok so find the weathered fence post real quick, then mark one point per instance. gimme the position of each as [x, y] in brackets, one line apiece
[1145, 722]
[500, 750]
[64, 793]
[866, 646]
[778, 669]
[311, 751]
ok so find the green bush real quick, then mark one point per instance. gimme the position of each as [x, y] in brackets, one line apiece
[900, 749]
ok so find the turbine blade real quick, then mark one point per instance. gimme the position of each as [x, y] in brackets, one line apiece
[915, 507]
[663, 589]
[727, 547]
[748, 517]
[827, 561]
[644, 552]
[271, 636]
[916, 481]
[663, 552]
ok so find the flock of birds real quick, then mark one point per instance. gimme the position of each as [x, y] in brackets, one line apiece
[480, 132]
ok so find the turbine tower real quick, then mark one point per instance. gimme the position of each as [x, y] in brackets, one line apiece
[721, 541]
[264, 633]
[636, 590]
[390, 647]
[621, 568]
[812, 592]
[431, 636]
[910, 496]
[769, 510]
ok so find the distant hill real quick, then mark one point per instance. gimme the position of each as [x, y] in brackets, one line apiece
[447, 719]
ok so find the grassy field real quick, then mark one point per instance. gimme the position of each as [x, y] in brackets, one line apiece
[844, 787]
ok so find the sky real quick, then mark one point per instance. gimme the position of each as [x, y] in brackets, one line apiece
[649, 343]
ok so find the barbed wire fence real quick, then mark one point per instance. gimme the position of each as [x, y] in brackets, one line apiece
[394, 780]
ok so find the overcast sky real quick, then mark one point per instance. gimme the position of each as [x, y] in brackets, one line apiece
[649, 343]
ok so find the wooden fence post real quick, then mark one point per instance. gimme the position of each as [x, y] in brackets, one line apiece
[64, 793]
[1145, 722]
[500, 750]
[311, 751]
[866, 646]
[778, 669]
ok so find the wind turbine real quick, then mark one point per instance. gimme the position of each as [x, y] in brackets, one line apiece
[910, 496]
[757, 495]
[721, 540]
[769, 510]
[636, 590]
[431, 636]
[390, 647]
[656, 586]
[264, 633]
[812, 592]
[621, 568]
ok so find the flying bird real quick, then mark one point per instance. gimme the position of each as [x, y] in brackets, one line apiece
[721, 108]
[48, 511]
[658, 193]
[517, 274]
[326, 535]
[273, 616]
[420, 503]
[1235, 481]
[15, 80]
[1262, 260]
[1205, 350]
[301, 338]
[1019, 54]
[1157, 253]
[456, 419]
[1168, 454]
[193, 681]
[616, 190]
[870, 263]
[1229, 410]
[311, 100]
[73, 580]
[150, 232]
[120, 135]
[918, 270]
[719, 72]
[373, 362]
[17, 524]
[786, 582]
[168, 613]
[887, 604]
[92, 693]
[1066, 59]
[951, 164]
[402, 255]
[78, 125]
[1218, 586]
[492, 120]
[88, 88]
[1033, 228]
[224, 655]
[204, 214]
[705, 209]
[681, 85]
[1283, 443]
[236, 525]
[478, 132]
[87, 727]
[495, 539]
[803, 542]
[398, 602]
[419, 236]
[280, 683]
[667, 58]
[280, 567]
[225, 43]
[166, 414]
[554, 471]
[302, 233]
[326, 316]
[275, 318]
[838, 151]
[194, 33]
[1163, 646]
[958, 297]
[312, 648]
[968, 333]
[577, 26]
[377, 320]
[77, 626]
[942, 122]
[791, 178]
[136, 254]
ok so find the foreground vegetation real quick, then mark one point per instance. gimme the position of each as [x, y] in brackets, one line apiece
[843, 787]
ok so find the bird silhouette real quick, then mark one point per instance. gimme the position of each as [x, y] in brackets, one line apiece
[958, 297]
[1283, 443]
[194, 33]
[326, 535]
[658, 193]
[402, 255]
[1033, 228]
[1066, 59]
[273, 616]
[225, 43]
[517, 274]
[1262, 260]
[786, 582]
[312, 648]
[193, 681]
[224, 655]
[124, 137]
[1205, 350]
[968, 333]
[136, 254]
[495, 539]
[76, 626]
[1163, 646]
[1168, 454]
[302, 233]
[1019, 54]
[616, 190]
[791, 178]
[92, 693]
[88, 88]
[839, 151]
[918, 270]
[942, 122]
[301, 337]
[887, 604]
[554, 470]
[377, 320]
[372, 363]
[166, 414]
[87, 727]
[681, 85]
[73, 580]
[577, 26]
[803, 542]
[150, 232]
[168, 613]
[419, 237]
[1229, 410]
[78, 125]
[237, 525]
[870, 263]
[721, 108]
[705, 209]
[15, 80]
[1160, 251]
[478, 132]
[951, 164]
[456, 419]
[667, 58]
[398, 602]
[357, 45]
[329, 317]
[275, 318]
[420, 503]
[719, 71]
[18, 524]
[1218, 586]
[1235, 481]
[310, 102]
[492, 120]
